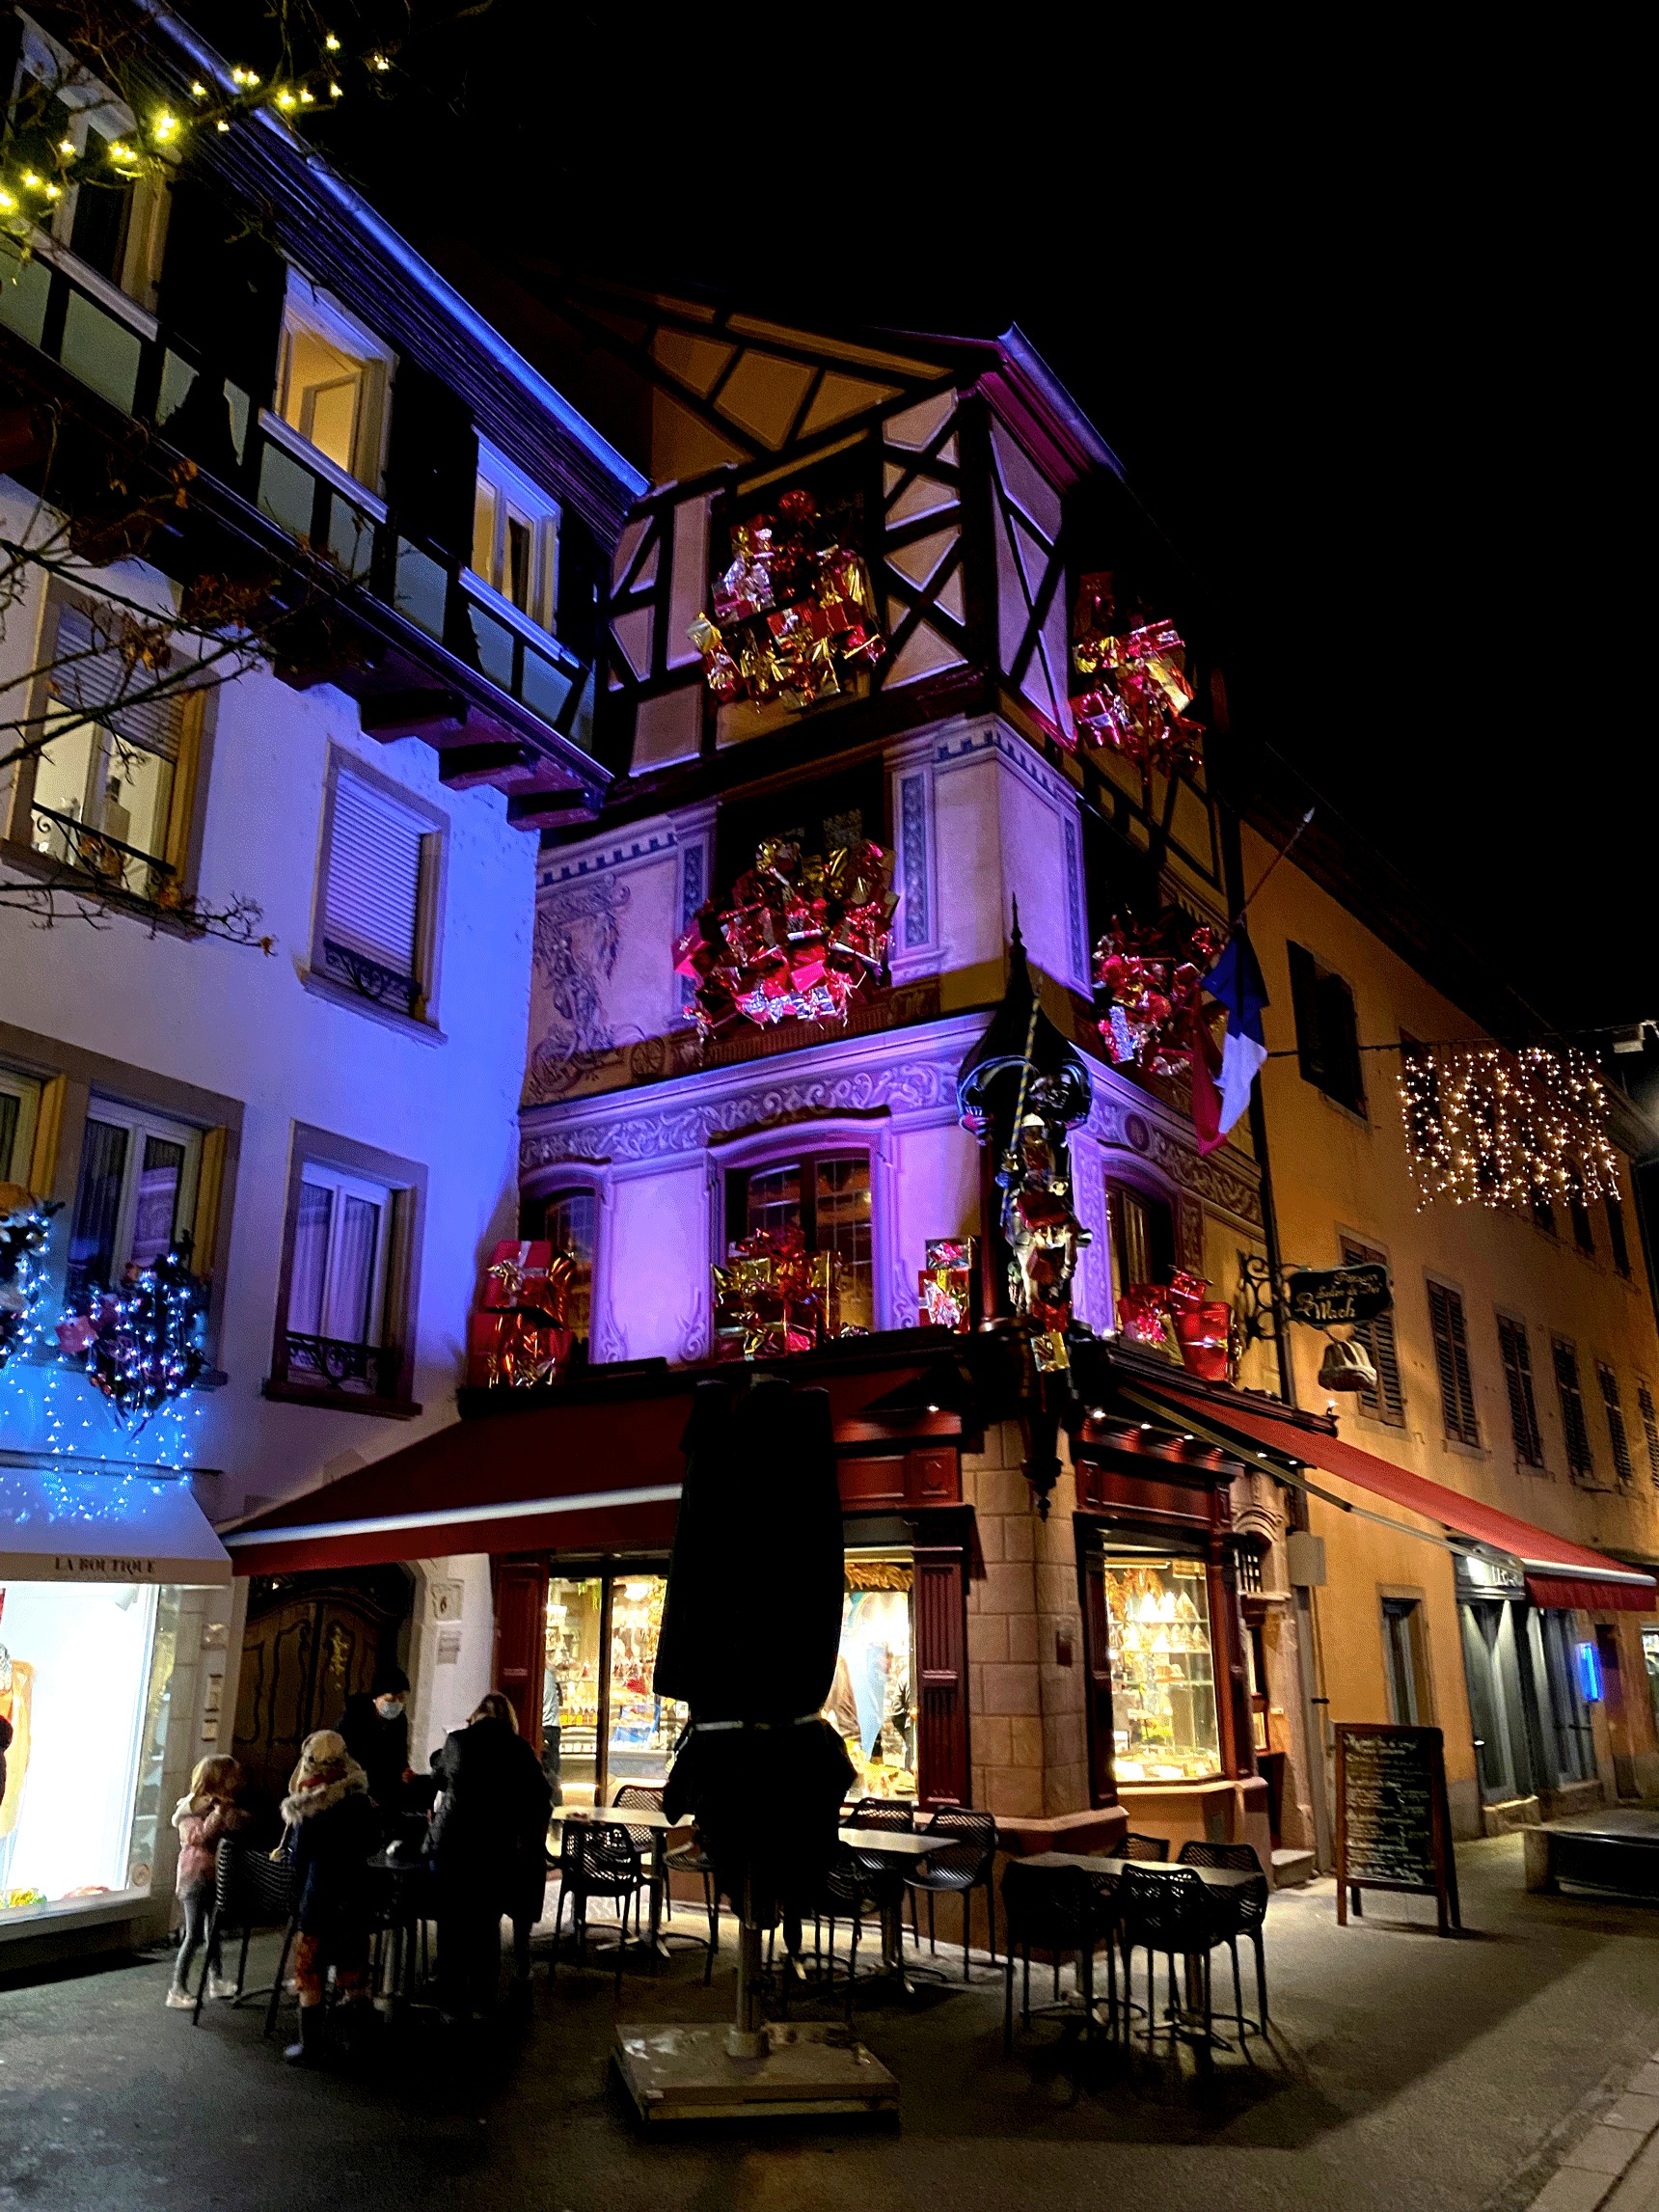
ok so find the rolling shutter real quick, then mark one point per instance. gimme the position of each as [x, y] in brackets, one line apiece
[91, 677]
[371, 905]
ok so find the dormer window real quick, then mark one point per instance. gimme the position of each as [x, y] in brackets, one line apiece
[333, 382]
[515, 538]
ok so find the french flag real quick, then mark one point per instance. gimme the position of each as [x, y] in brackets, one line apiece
[1221, 1092]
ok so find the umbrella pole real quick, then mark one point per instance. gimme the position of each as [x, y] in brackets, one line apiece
[747, 2038]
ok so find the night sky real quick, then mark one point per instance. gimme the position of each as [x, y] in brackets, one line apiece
[1366, 347]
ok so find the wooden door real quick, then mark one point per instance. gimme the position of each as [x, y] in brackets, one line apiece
[310, 1643]
[943, 1771]
[1097, 1678]
[521, 1639]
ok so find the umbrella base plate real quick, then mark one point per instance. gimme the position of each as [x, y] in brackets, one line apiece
[807, 2071]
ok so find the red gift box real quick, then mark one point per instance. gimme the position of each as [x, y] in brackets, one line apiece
[516, 1275]
[515, 1351]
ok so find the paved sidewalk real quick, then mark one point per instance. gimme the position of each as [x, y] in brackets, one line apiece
[1409, 2073]
[1613, 2162]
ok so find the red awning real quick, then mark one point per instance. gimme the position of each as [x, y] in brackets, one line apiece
[557, 1478]
[1557, 1572]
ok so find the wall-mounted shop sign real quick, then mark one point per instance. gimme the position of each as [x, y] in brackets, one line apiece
[1336, 1295]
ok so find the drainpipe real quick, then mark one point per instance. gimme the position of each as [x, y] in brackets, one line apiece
[1313, 1705]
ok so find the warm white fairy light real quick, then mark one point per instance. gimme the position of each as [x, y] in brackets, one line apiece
[1485, 1126]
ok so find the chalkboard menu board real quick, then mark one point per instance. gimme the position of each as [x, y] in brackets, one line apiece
[1393, 1831]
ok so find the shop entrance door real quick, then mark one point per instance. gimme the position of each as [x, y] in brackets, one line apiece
[312, 1641]
[1617, 1718]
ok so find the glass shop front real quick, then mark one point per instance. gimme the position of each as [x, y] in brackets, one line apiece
[603, 1724]
[85, 1677]
[1166, 1727]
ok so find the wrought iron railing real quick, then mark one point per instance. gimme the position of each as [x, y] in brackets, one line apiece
[384, 985]
[93, 852]
[330, 1363]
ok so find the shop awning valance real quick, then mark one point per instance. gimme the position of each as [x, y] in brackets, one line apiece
[67, 1525]
[1557, 1572]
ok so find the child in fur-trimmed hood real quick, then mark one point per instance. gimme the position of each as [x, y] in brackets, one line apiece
[203, 1817]
[332, 1830]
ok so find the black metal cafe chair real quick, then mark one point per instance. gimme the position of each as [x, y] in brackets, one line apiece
[1052, 1909]
[1151, 1848]
[689, 1859]
[595, 1860]
[1169, 1913]
[250, 1890]
[1242, 1912]
[962, 1865]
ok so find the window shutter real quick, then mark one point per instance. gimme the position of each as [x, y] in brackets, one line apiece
[1616, 1236]
[93, 679]
[222, 288]
[1452, 1360]
[1518, 1382]
[1578, 1453]
[521, 1640]
[431, 462]
[1616, 1431]
[1649, 1429]
[1387, 1402]
[1339, 1041]
[943, 1772]
[1305, 1005]
[372, 901]
[1583, 1234]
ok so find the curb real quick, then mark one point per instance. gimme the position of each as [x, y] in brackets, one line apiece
[1609, 2148]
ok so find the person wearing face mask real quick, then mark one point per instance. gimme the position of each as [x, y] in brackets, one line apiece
[375, 1727]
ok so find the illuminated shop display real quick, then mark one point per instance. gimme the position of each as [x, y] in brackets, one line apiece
[85, 1674]
[871, 1703]
[601, 1654]
[1166, 1727]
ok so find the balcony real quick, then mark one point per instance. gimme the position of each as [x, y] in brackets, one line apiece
[326, 1370]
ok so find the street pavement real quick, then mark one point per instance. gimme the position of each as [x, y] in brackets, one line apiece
[1407, 2071]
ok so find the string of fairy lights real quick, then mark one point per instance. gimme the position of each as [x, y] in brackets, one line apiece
[1486, 1125]
[41, 164]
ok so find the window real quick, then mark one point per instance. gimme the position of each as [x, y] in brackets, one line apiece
[1387, 1402]
[1543, 1212]
[1571, 1731]
[1327, 1031]
[66, 125]
[1649, 1427]
[1141, 1230]
[332, 382]
[1451, 1361]
[1406, 1661]
[515, 538]
[344, 1305]
[828, 1199]
[872, 1702]
[1583, 1235]
[1154, 1612]
[1517, 1360]
[570, 1225]
[376, 924]
[19, 1108]
[111, 793]
[1579, 1457]
[135, 1196]
[1617, 1241]
[1616, 1436]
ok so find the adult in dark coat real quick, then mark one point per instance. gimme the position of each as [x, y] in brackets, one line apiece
[489, 1847]
[375, 1725]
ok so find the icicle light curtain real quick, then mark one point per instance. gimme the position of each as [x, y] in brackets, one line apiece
[1485, 1126]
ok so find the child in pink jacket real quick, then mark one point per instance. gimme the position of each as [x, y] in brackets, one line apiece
[202, 1819]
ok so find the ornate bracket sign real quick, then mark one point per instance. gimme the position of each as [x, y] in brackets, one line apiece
[1338, 1296]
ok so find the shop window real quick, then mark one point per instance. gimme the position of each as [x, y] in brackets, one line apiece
[344, 1319]
[1451, 1363]
[1406, 1658]
[1165, 1722]
[135, 1196]
[1141, 1230]
[1617, 1243]
[570, 1224]
[871, 1702]
[515, 538]
[603, 1723]
[110, 795]
[1618, 1437]
[1572, 1734]
[1649, 1427]
[1327, 1030]
[1387, 1402]
[332, 382]
[1517, 1358]
[826, 1198]
[84, 1673]
[20, 1109]
[377, 924]
[1575, 1429]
